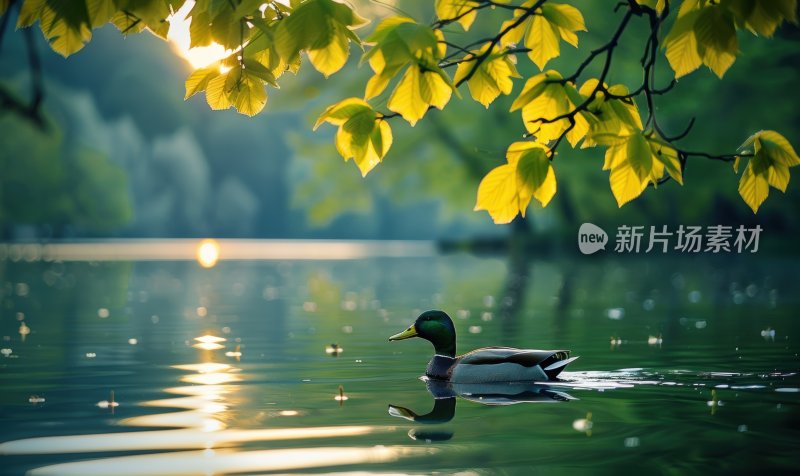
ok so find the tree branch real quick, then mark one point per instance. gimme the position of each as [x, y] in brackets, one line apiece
[496, 39]
[648, 60]
[10, 102]
[608, 49]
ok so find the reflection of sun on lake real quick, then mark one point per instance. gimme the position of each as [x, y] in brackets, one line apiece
[208, 253]
[205, 401]
[201, 424]
[189, 410]
[209, 342]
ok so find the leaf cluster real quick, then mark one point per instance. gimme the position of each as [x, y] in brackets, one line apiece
[409, 61]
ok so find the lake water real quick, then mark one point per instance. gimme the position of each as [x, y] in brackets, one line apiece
[135, 359]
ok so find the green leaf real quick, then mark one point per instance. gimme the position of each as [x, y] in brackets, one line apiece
[507, 189]
[640, 157]
[535, 175]
[262, 49]
[225, 27]
[66, 25]
[754, 184]
[498, 194]
[255, 68]
[542, 38]
[704, 33]
[567, 18]
[624, 110]
[543, 31]
[363, 135]
[491, 78]
[399, 42]
[542, 99]
[127, 23]
[716, 38]
[681, 45]
[216, 95]
[331, 58]
[636, 160]
[199, 79]
[29, 13]
[248, 94]
[608, 116]
[417, 91]
[778, 176]
[238, 87]
[777, 148]
[150, 13]
[773, 156]
[464, 10]
[322, 28]
[625, 183]
[668, 156]
[763, 17]
[533, 88]
[100, 12]
[200, 28]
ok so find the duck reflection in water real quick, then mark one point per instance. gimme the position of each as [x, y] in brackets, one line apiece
[493, 394]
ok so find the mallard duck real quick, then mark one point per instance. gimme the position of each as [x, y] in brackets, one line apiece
[486, 365]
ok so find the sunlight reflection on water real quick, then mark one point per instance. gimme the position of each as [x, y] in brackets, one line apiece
[208, 252]
[202, 426]
[230, 461]
[274, 386]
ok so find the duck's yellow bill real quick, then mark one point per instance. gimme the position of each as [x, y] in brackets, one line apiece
[406, 334]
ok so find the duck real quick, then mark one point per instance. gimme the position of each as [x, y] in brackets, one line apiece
[484, 365]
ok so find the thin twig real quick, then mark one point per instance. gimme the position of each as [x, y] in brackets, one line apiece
[495, 40]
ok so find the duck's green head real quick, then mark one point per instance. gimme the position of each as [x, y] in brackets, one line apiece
[436, 327]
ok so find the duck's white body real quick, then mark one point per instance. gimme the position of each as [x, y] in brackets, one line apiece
[499, 364]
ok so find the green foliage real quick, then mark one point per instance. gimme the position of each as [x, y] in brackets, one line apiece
[543, 99]
[400, 43]
[464, 11]
[363, 133]
[493, 76]
[409, 62]
[636, 161]
[705, 31]
[771, 158]
[68, 25]
[97, 190]
[542, 29]
[322, 28]
[508, 189]
[242, 87]
[45, 181]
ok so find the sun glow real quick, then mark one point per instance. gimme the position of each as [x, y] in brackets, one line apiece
[180, 39]
[208, 253]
